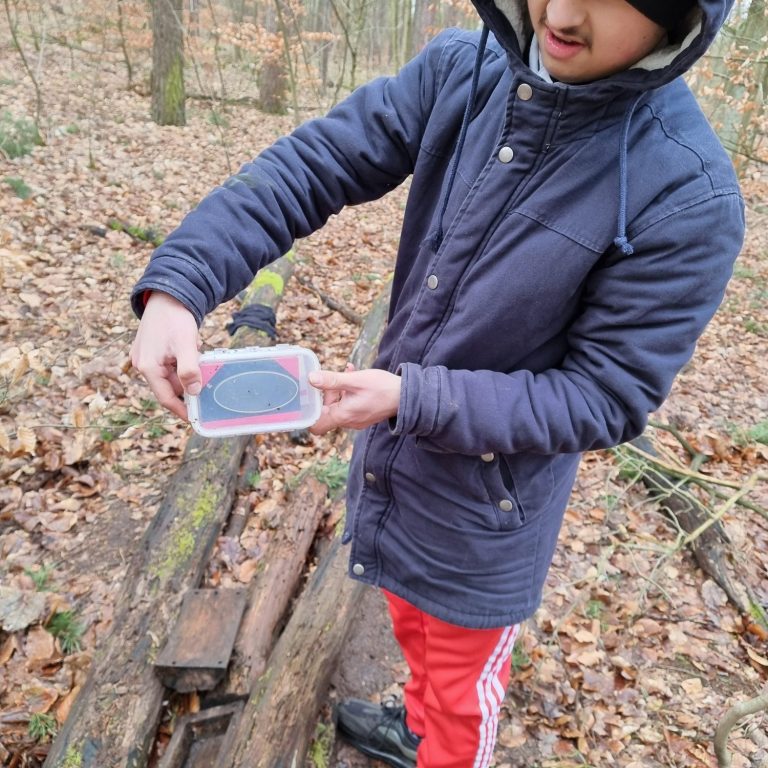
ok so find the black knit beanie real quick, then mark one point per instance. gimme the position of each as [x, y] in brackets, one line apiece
[666, 13]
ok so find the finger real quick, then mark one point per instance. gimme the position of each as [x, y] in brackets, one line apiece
[328, 420]
[167, 397]
[332, 396]
[176, 385]
[188, 369]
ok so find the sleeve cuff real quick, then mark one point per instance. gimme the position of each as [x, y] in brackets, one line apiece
[419, 400]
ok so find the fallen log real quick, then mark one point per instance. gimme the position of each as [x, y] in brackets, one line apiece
[707, 537]
[273, 588]
[114, 719]
[278, 720]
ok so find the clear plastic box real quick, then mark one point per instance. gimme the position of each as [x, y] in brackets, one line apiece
[255, 389]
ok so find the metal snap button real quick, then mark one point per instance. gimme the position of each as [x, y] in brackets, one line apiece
[358, 569]
[524, 91]
[432, 282]
[370, 477]
[488, 457]
[506, 154]
[505, 505]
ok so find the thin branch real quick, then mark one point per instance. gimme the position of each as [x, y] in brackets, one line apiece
[729, 504]
[25, 63]
[679, 471]
[332, 303]
[731, 717]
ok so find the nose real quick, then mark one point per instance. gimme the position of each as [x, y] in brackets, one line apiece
[565, 15]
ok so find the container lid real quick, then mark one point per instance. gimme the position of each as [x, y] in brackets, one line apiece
[255, 389]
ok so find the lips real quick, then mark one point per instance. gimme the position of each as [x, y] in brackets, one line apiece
[559, 48]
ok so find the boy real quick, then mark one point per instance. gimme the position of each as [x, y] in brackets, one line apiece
[571, 226]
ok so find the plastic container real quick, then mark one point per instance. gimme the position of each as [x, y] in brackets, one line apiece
[255, 389]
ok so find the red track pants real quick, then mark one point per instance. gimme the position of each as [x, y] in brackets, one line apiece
[457, 684]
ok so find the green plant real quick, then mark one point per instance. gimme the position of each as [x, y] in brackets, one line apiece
[73, 758]
[42, 727]
[594, 609]
[756, 327]
[40, 577]
[64, 626]
[216, 118]
[320, 749]
[520, 657]
[19, 186]
[333, 473]
[18, 136]
[145, 234]
[759, 432]
[118, 422]
[253, 478]
[741, 271]
[117, 260]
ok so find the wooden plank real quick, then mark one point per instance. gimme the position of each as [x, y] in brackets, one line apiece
[197, 652]
[200, 737]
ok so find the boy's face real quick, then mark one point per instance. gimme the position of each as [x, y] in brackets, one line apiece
[583, 40]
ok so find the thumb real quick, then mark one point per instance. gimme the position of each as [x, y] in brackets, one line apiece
[327, 380]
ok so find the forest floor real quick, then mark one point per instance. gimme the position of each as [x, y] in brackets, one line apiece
[634, 655]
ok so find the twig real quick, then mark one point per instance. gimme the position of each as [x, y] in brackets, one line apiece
[731, 717]
[729, 504]
[673, 430]
[332, 303]
[679, 471]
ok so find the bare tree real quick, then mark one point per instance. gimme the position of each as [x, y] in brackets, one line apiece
[168, 93]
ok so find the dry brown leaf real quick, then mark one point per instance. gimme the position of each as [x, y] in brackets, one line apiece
[65, 705]
[20, 608]
[58, 522]
[8, 647]
[27, 439]
[756, 657]
[692, 686]
[246, 570]
[39, 645]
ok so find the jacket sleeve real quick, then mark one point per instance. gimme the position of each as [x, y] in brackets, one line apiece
[641, 318]
[363, 148]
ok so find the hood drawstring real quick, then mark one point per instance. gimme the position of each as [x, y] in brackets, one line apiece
[438, 238]
[621, 241]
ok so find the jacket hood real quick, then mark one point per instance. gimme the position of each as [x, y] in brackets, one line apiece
[509, 22]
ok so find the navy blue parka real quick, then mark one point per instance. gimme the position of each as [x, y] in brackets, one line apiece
[553, 276]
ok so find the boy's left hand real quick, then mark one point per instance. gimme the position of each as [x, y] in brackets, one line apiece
[355, 399]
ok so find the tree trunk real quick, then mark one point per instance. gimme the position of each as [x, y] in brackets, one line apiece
[114, 718]
[273, 86]
[168, 94]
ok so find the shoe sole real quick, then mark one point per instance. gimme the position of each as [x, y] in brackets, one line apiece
[385, 757]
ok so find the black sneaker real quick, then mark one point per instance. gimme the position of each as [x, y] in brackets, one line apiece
[378, 730]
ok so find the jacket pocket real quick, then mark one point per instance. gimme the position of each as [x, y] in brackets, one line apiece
[502, 493]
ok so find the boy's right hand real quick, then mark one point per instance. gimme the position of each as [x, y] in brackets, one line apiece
[166, 351]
